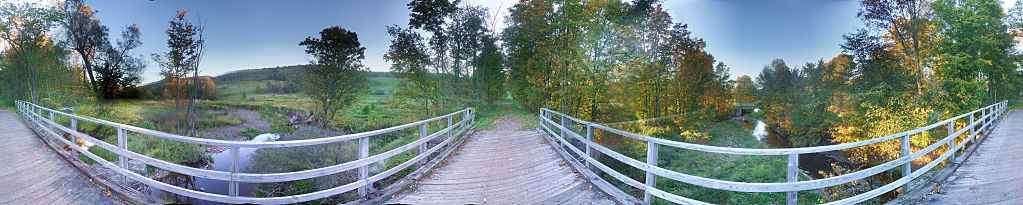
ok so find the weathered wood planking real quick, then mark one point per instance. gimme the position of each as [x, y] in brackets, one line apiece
[503, 167]
[32, 173]
[992, 174]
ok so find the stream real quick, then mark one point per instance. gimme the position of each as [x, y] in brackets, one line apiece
[221, 162]
[810, 164]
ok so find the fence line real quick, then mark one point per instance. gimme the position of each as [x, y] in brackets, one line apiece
[989, 116]
[34, 114]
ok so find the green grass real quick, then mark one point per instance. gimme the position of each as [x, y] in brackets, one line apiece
[1016, 105]
[739, 168]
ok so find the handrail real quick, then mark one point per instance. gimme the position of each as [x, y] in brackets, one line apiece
[33, 113]
[989, 116]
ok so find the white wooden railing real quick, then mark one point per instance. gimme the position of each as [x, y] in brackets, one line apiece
[989, 116]
[35, 114]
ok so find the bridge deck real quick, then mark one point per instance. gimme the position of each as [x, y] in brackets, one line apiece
[503, 167]
[993, 174]
[32, 173]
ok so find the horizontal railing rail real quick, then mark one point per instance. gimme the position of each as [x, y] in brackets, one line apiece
[34, 114]
[559, 129]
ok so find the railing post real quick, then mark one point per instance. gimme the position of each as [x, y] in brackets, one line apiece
[122, 143]
[907, 168]
[973, 129]
[74, 126]
[563, 127]
[364, 170]
[951, 142]
[449, 130]
[422, 147]
[589, 150]
[984, 123]
[651, 178]
[793, 176]
[232, 186]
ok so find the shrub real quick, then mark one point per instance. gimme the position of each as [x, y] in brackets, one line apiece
[290, 159]
[249, 132]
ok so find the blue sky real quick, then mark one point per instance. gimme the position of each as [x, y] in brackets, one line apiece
[745, 34]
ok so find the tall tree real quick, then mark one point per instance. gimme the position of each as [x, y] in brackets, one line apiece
[974, 51]
[410, 61]
[117, 69]
[336, 76]
[186, 45]
[24, 27]
[905, 25]
[86, 36]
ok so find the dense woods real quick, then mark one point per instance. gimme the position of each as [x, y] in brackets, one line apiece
[458, 64]
[611, 61]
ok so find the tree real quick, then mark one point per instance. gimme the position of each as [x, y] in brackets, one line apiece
[778, 85]
[86, 36]
[117, 70]
[430, 15]
[744, 91]
[186, 46]
[336, 75]
[974, 51]
[410, 62]
[906, 27]
[23, 27]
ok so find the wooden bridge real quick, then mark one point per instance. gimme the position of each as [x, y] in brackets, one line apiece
[558, 164]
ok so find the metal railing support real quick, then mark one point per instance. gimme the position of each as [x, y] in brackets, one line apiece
[651, 178]
[232, 187]
[364, 170]
[793, 176]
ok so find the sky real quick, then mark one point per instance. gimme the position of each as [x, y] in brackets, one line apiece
[744, 34]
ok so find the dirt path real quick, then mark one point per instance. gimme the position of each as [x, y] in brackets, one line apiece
[251, 121]
[508, 122]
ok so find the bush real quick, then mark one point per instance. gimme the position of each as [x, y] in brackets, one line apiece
[249, 132]
[291, 159]
[379, 92]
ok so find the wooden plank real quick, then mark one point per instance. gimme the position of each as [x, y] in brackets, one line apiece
[501, 167]
[33, 173]
[976, 181]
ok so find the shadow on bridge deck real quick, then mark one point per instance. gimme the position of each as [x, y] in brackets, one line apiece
[994, 174]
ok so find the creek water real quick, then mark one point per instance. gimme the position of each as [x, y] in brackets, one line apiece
[810, 164]
[221, 162]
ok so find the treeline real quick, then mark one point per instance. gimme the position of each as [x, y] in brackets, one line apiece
[457, 64]
[611, 61]
[915, 63]
[62, 52]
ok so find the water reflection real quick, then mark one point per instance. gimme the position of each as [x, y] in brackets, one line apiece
[221, 162]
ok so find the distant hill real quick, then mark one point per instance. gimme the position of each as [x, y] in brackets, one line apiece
[279, 73]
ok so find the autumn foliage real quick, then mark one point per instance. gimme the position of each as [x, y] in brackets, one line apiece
[178, 88]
